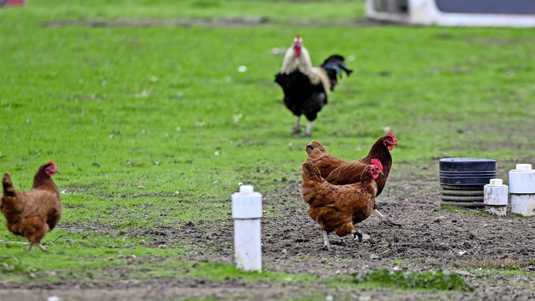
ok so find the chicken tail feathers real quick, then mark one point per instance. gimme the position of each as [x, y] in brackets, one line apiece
[9, 190]
[337, 63]
[53, 218]
[334, 66]
[311, 173]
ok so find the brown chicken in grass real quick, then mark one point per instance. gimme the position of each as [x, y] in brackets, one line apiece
[34, 213]
[337, 208]
[342, 172]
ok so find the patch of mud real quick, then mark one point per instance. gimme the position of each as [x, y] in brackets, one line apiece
[209, 22]
[430, 238]
[156, 291]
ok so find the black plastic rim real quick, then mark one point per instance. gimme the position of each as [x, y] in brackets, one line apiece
[460, 173]
[468, 177]
[465, 181]
[466, 164]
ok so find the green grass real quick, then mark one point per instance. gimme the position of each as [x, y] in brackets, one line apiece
[220, 271]
[155, 126]
[74, 256]
[505, 267]
[278, 10]
[402, 280]
[99, 258]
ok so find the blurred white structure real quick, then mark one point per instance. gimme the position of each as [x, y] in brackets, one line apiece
[522, 189]
[247, 215]
[496, 197]
[513, 13]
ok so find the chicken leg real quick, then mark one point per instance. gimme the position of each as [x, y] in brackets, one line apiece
[326, 243]
[297, 128]
[386, 220]
[308, 131]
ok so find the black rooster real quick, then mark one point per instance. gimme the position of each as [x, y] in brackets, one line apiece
[305, 87]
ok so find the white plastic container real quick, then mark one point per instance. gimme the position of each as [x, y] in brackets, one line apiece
[432, 12]
[247, 215]
[496, 197]
[522, 189]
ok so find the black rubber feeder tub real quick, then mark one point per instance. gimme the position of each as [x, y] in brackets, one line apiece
[462, 180]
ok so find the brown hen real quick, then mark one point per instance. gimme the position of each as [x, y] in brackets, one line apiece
[342, 172]
[34, 213]
[337, 208]
[350, 172]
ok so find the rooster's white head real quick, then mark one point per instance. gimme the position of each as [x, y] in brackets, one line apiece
[298, 43]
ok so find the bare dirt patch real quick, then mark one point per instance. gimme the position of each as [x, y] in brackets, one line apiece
[431, 238]
[154, 291]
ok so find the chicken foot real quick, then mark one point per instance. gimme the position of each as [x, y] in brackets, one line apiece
[40, 246]
[386, 220]
[357, 235]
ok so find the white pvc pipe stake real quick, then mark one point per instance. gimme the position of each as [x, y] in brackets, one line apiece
[522, 189]
[247, 215]
[496, 197]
